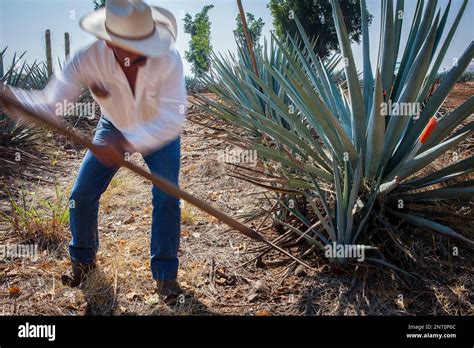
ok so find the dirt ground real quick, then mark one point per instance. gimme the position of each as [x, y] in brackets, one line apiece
[222, 278]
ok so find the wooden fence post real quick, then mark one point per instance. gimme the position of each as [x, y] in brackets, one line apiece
[1, 66]
[49, 56]
[67, 44]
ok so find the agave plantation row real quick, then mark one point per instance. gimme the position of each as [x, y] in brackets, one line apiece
[322, 135]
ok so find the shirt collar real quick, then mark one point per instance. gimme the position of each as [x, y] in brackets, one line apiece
[112, 61]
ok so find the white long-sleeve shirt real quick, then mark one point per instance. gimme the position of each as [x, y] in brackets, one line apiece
[148, 120]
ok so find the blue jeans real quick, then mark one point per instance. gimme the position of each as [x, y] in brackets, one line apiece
[92, 181]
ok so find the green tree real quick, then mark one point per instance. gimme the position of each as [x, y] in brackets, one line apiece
[200, 47]
[316, 17]
[98, 4]
[255, 29]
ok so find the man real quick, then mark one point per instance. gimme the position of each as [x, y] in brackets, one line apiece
[136, 76]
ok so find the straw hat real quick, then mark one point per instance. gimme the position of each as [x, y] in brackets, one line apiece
[134, 26]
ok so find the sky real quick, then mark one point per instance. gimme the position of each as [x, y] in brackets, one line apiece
[23, 24]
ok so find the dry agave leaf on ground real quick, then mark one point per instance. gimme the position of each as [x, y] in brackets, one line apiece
[153, 300]
[4, 293]
[132, 295]
[14, 291]
[129, 220]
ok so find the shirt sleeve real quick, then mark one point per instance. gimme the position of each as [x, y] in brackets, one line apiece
[64, 87]
[167, 125]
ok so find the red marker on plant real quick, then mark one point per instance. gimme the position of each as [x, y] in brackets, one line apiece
[428, 130]
[423, 137]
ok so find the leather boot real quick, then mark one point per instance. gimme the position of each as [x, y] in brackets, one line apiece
[169, 291]
[76, 274]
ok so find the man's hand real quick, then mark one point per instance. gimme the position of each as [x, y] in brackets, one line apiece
[112, 153]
